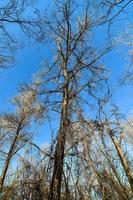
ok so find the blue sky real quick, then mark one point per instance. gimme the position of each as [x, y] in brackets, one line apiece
[28, 61]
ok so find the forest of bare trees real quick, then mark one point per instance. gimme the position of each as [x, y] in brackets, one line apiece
[89, 155]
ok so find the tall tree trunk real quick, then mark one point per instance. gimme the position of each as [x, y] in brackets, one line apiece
[55, 187]
[8, 159]
[124, 161]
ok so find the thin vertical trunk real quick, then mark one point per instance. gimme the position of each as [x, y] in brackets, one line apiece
[124, 162]
[8, 159]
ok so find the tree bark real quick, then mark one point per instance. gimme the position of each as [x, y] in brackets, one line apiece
[8, 159]
[55, 186]
[124, 161]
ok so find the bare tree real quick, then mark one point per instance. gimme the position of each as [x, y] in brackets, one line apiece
[72, 83]
[76, 71]
[14, 126]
